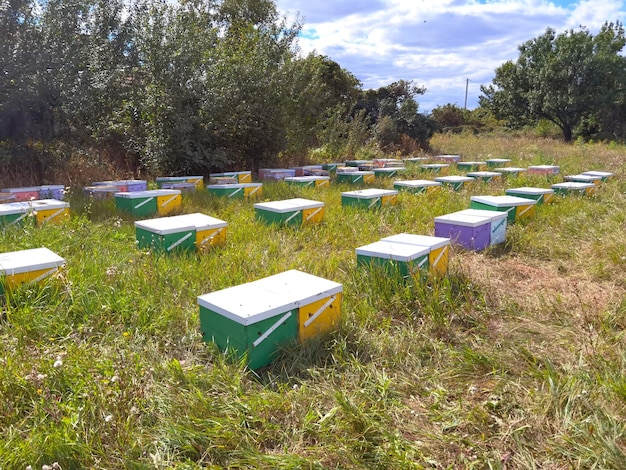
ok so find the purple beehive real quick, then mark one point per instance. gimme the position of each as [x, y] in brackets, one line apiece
[471, 232]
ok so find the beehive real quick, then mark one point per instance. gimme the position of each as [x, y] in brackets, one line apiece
[438, 254]
[121, 186]
[161, 181]
[309, 181]
[166, 234]
[355, 177]
[276, 174]
[572, 187]
[473, 232]
[133, 185]
[13, 213]
[6, 197]
[181, 233]
[183, 186]
[471, 166]
[605, 175]
[497, 162]
[438, 168]
[541, 195]
[29, 193]
[416, 186]
[447, 158]
[294, 212]
[331, 167]
[543, 170]
[26, 266]
[595, 179]
[52, 191]
[497, 230]
[255, 319]
[517, 208]
[236, 191]
[308, 170]
[388, 172]
[100, 192]
[358, 163]
[148, 203]
[485, 176]
[238, 176]
[369, 198]
[455, 182]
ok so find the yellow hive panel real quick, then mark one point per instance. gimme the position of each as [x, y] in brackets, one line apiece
[438, 260]
[313, 216]
[169, 203]
[211, 237]
[52, 216]
[319, 317]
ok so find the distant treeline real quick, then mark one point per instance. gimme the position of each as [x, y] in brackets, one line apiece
[194, 86]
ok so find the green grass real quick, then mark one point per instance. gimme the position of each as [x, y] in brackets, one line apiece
[515, 359]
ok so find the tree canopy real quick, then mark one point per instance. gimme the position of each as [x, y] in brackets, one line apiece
[566, 78]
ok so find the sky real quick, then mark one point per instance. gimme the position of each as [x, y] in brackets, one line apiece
[450, 47]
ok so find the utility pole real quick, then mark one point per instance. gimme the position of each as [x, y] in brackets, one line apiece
[466, 86]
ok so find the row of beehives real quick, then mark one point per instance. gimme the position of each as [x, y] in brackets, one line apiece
[255, 319]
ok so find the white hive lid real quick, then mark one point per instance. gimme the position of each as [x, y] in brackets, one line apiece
[393, 251]
[604, 174]
[149, 193]
[417, 183]
[529, 190]
[465, 220]
[503, 201]
[47, 204]
[421, 240]
[369, 193]
[246, 304]
[9, 208]
[573, 185]
[298, 287]
[165, 225]
[16, 262]
[493, 215]
[453, 179]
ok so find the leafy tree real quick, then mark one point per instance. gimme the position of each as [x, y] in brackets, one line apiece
[563, 78]
[320, 96]
[393, 110]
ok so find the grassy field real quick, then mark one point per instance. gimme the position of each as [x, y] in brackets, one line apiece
[516, 359]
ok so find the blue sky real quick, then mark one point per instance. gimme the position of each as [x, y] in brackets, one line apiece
[438, 44]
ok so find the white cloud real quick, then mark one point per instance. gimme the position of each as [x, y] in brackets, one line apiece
[438, 44]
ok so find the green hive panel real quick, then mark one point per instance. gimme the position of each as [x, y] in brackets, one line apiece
[369, 198]
[166, 234]
[289, 211]
[250, 321]
[394, 258]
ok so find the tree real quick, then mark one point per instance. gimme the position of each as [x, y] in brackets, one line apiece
[563, 78]
[393, 112]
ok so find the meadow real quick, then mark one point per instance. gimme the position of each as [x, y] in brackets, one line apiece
[515, 359]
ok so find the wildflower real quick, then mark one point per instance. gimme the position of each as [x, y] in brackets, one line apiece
[126, 334]
[108, 418]
[39, 391]
[115, 378]
[58, 362]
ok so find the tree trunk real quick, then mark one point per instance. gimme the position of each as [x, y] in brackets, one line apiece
[567, 132]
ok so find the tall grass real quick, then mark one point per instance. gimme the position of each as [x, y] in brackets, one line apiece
[515, 359]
